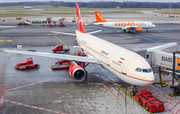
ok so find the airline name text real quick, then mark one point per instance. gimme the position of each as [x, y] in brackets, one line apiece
[167, 59]
[129, 24]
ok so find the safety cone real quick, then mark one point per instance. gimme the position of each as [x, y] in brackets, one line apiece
[2, 73]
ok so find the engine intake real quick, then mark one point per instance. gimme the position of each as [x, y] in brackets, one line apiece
[77, 72]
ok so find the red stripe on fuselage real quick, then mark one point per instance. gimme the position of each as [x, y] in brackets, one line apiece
[120, 72]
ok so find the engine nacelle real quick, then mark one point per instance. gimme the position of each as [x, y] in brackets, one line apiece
[139, 29]
[77, 72]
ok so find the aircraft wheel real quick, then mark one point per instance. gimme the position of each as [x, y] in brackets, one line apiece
[27, 67]
[124, 30]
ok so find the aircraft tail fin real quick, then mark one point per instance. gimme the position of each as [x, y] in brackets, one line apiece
[79, 20]
[99, 17]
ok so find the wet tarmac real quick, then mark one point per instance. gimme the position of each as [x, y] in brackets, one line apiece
[46, 91]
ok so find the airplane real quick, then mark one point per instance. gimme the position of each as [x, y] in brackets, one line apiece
[24, 23]
[123, 63]
[135, 26]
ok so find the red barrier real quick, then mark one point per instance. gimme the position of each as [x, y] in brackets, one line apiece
[2, 95]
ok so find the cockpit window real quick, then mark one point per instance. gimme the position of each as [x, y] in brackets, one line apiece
[143, 70]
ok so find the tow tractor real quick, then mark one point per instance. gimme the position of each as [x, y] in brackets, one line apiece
[26, 65]
[150, 103]
[60, 48]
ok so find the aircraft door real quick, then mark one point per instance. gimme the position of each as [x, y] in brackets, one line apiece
[109, 59]
[124, 69]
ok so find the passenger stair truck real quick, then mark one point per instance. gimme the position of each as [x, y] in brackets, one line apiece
[162, 61]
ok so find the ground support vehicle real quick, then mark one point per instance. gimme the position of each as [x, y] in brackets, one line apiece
[26, 65]
[62, 25]
[22, 23]
[150, 103]
[64, 64]
[60, 48]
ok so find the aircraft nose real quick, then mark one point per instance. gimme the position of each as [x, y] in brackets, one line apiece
[154, 25]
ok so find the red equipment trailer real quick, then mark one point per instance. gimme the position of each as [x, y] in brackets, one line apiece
[26, 65]
[64, 64]
[151, 103]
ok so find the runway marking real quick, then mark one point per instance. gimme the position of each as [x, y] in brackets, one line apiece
[29, 84]
[118, 31]
[60, 40]
[34, 107]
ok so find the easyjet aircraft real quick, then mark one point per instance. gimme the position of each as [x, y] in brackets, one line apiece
[125, 64]
[136, 26]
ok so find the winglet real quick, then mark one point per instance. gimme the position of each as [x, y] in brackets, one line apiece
[79, 20]
[99, 17]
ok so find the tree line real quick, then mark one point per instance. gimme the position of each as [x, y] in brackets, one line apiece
[95, 4]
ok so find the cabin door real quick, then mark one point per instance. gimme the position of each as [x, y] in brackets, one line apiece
[124, 70]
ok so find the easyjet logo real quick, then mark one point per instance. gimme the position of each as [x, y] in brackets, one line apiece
[100, 16]
[130, 24]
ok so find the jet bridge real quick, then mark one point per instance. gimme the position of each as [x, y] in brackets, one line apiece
[163, 62]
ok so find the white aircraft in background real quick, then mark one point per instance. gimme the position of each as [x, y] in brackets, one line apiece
[136, 26]
[125, 64]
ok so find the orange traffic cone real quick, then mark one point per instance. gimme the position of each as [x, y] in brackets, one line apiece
[2, 73]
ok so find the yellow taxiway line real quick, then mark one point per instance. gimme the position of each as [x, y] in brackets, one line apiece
[9, 40]
[60, 40]
[119, 87]
[2, 40]
[49, 34]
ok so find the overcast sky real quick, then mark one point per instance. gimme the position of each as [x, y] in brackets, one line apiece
[1, 1]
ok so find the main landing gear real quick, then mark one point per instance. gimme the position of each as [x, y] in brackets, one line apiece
[134, 90]
[146, 30]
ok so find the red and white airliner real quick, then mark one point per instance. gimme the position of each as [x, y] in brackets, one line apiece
[125, 64]
[135, 26]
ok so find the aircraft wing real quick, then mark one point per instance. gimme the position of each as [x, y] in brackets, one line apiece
[157, 48]
[57, 56]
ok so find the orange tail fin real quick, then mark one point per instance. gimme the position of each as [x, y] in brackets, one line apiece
[99, 18]
[79, 20]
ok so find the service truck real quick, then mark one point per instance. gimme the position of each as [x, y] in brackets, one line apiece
[60, 48]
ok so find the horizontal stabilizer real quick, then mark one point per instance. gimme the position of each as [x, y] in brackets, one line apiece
[63, 33]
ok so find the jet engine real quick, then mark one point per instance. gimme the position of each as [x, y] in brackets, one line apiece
[77, 72]
[139, 29]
